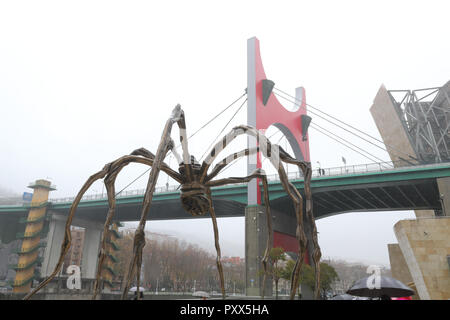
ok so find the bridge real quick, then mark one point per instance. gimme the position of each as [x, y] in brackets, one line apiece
[367, 187]
[382, 186]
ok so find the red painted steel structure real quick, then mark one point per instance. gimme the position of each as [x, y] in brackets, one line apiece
[262, 116]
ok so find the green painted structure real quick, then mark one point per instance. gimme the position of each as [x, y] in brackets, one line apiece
[405, 188]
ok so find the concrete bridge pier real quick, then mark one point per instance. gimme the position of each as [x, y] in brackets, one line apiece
[444, 194]
[255, 245]
[91, 247]
[284, 227]
[52, 251]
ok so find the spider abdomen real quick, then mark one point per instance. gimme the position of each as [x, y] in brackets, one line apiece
[194, 198]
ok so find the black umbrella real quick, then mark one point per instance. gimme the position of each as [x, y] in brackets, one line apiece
[347, 297]
[387, 286]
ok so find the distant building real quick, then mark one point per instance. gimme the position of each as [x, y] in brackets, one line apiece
[75, 253]
[232, 261]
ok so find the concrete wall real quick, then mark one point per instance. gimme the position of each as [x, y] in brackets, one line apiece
[399, 268]
[425, 245]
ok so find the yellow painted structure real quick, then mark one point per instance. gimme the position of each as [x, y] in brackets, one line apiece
[108, 272]
[28, 255]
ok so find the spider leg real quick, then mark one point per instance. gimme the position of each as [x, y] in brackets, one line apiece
[109, 183]
[259, 173]
[110, 190]
[216, 242]
[164, 146]
[310, 221]
[164, 167]
[109, 168]
[67, 236]
[148, 159]
[276, 154]
[296, 197]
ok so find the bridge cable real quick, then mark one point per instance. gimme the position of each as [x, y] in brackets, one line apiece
[379, 159]
[223, 129]
[202, 127]
[313, 125]
[331, 137]
[214, 118]
[336, 124]
[387, 145]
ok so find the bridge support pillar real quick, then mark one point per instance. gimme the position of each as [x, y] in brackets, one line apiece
[255, 245]
[256, 236]
[92, 239]
[91, 247]
[55, 237]
[444, 194]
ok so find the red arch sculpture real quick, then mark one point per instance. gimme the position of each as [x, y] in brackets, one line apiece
[265, 110]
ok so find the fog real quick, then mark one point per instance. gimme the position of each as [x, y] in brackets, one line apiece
[83, 83]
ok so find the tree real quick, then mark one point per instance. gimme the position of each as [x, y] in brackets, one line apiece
[307, 277]
[276, 255]
[328, 275]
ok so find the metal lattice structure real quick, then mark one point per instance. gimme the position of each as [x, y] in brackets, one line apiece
[425, 115]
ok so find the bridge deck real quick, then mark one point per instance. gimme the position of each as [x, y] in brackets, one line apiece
[404, 188]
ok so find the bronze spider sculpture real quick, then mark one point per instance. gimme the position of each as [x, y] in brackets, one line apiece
[196, 184]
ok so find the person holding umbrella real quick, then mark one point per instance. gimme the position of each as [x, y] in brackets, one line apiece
[136, 296]
[385, 288]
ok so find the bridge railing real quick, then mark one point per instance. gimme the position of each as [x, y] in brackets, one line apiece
[127, 193]
[317, 172]
[345, 170]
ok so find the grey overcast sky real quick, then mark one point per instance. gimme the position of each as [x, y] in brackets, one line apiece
[82, 83]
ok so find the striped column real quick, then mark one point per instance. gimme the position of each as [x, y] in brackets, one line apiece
[34, 229]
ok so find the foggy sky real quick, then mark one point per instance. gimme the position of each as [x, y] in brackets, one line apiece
[83, 83]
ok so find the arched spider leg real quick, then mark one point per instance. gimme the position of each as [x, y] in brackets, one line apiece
[109, 181]
[67, 236]
[164, 146]
[110, 190]
[272, 152]
[259, 173]
[107, 169]
[313, 247]
[297, 199]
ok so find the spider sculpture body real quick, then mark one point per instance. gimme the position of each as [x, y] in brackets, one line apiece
[196, 182]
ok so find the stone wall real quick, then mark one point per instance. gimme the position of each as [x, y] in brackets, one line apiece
[425, 244]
